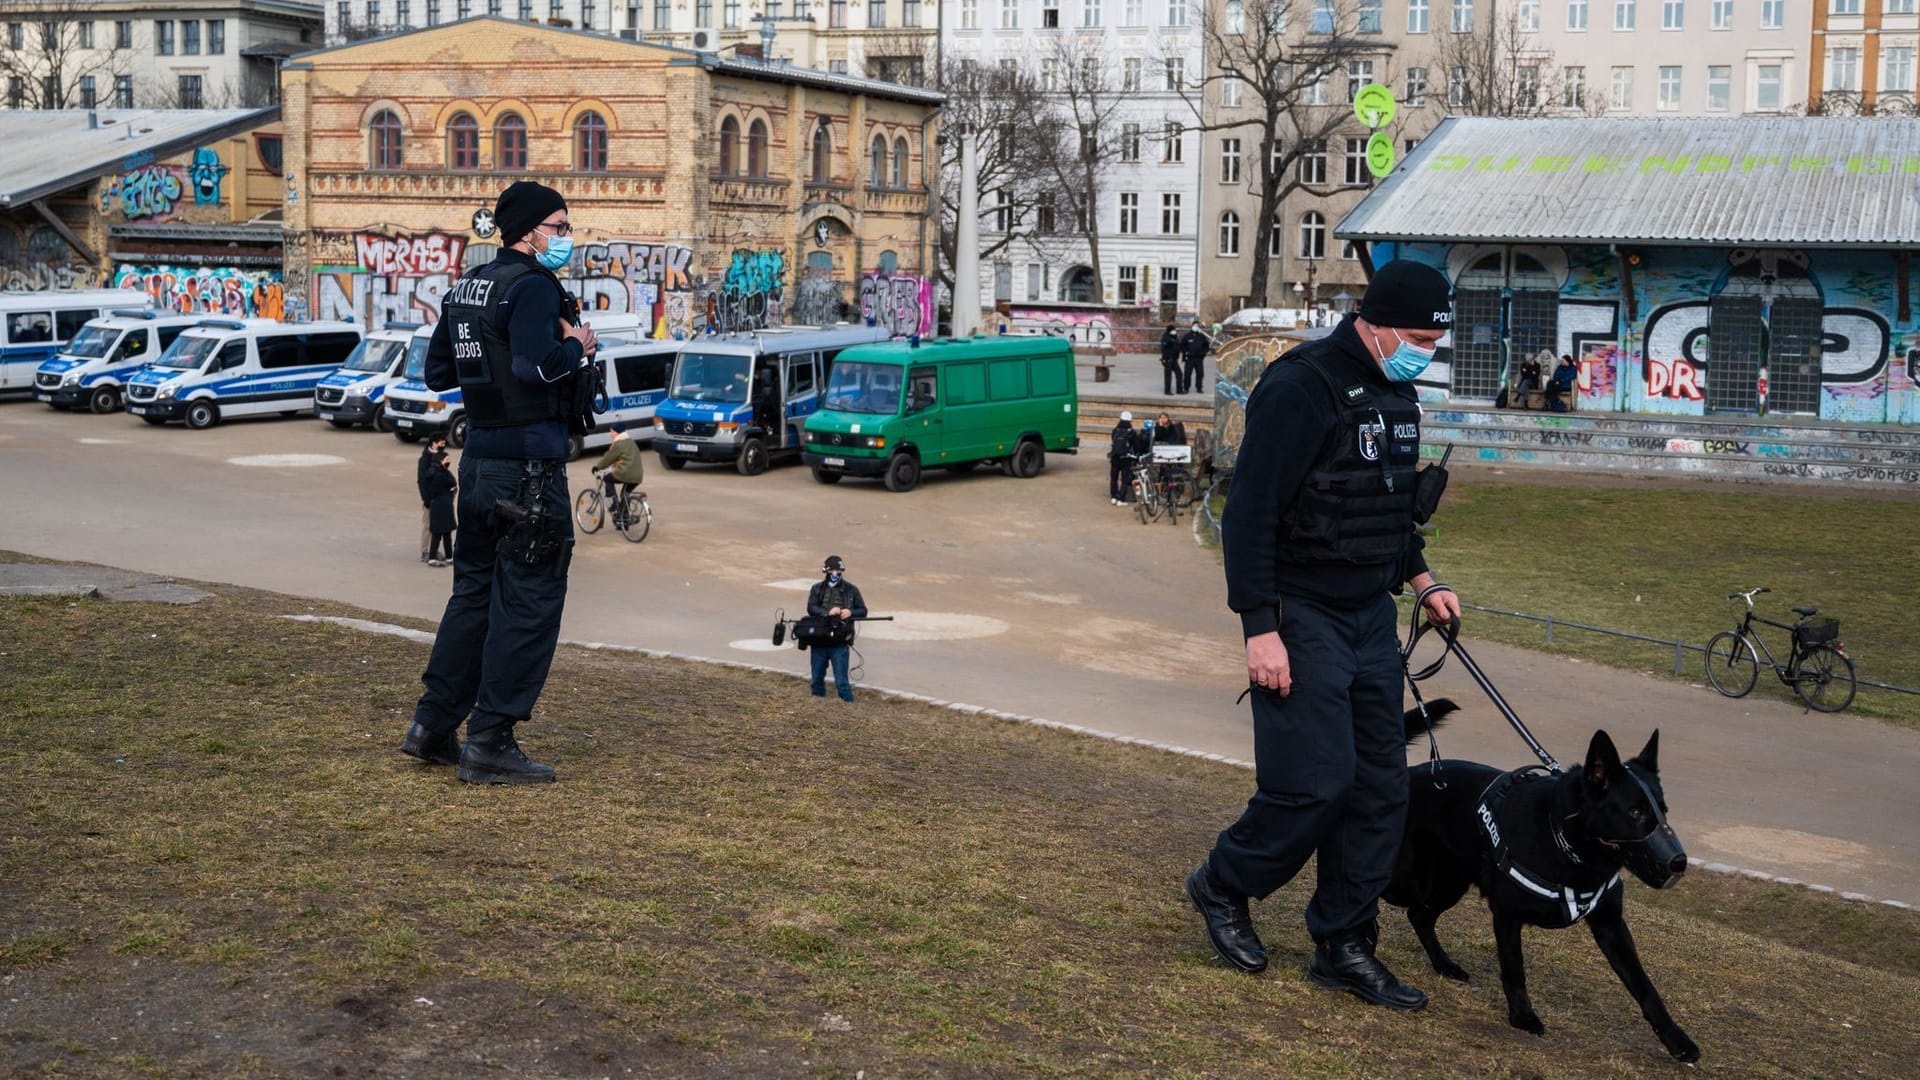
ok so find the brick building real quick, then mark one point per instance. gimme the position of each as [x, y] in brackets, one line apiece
[706, 191]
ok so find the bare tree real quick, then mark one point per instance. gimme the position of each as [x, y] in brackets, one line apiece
[1499, 69]
[1002, 106]
[1083, 138]
[1288, 61]
[50, 51]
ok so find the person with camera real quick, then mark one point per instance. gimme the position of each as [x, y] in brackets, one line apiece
[511, 338]
[838, 601]
[1319, 533]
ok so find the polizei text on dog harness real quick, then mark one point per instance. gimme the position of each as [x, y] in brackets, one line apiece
[1576, 903]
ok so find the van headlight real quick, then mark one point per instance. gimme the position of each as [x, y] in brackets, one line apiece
[874, 442]
[71, 380]
[165, 393]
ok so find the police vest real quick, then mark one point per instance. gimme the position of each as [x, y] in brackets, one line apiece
[483, 356]
[1356, 506]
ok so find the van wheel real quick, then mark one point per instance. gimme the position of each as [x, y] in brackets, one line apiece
[753, 457]
[825, 476]
[202, 415]
[903, 473]
[379, 421]
[104, 400]
[673, 463]
[1028, 460]
[407, 436]
[457, 435]
[575, 444]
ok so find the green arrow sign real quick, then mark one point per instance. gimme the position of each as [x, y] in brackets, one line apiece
[1380, 154]
[1374, 105]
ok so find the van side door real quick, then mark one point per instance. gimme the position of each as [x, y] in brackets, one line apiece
[803, 394]
[924, 423]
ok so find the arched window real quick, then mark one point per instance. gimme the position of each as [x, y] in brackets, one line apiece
[383, 137]
[510, 142]
[757, 148]
[1229, 233]
[822, 155]
[729, 156]
[1313, 235]
[900, 163]
[1077, 286]
[463, 143]
[879, 172]
[590, 143]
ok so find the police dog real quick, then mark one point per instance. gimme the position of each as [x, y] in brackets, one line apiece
[1544, 851]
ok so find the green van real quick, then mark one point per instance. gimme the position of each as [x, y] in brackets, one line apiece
[894, 409]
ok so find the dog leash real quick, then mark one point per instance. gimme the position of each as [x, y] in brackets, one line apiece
[1450, 633]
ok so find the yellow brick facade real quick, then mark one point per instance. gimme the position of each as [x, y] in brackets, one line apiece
[661, 230]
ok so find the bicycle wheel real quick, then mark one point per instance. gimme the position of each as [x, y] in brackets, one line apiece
[1145, 502]
[586, 510]
[1826, 681]
[1732, 665]
[638, 520]
[1170, 499]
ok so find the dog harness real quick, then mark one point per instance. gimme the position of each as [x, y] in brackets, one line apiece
[1577, 903]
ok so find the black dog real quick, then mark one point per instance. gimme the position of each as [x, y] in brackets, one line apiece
[1544, 851]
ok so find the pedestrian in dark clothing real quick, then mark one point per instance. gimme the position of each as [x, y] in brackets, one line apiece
[1194, 348]
[1318, 534]
[1120, 451]
[440, 486]
[1168, 431]
[834, 597]
[1560, 387]
[512, 342]
[1170, 362]
[429, 454]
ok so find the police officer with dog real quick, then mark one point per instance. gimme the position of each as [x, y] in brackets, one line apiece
[511, 338]
[1318, 536]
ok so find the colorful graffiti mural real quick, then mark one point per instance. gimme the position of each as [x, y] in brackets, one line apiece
[1081, 328]
[148, 193]
[205, 173]
[216, 290]
[903, 303]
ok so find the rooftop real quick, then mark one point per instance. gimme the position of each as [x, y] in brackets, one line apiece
[70, 147]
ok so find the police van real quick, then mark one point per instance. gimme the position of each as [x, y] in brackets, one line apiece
[637, 377]
[34, 325]
[223, 368]
[415, 410]
[356, 394]
[92, 370]
[742, 398]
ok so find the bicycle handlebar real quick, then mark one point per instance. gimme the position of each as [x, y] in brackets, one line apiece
[1748, 595]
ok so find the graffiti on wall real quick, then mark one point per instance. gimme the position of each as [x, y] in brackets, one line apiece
[147, 193]
[750, 293]
[39, 260]
[377, 278]
[205, 173]
[903, 303]
[1081, 328]
[215, 290]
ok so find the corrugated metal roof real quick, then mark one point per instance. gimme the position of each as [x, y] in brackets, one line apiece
[1801, 181]
[52, 150]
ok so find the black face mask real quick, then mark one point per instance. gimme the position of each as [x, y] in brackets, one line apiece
[833, 577]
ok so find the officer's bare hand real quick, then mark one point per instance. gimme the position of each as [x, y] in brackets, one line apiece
[582, 334]
[1267, 663]
[1442, 607]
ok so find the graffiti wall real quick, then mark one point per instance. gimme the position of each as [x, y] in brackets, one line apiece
[34, 258]
[148, 192]
[216, 290]
[903, 303]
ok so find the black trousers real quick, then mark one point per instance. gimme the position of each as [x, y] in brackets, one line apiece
[1330, 765]
[1192, 377]
[496, 640]
[1120, 480]
[1172, 376]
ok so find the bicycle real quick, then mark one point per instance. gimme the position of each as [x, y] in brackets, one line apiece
[1817, 666]
[632, 516]
[1146, 488]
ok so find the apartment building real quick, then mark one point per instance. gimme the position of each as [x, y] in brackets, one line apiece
[1861, 57]
[1669, 57]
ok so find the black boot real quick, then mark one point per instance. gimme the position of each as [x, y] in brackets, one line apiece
[1229, 927]
[434, 748]
[493, 757]
[1347, 963]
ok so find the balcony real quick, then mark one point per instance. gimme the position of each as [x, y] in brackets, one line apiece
[894, 200]
[759, 191]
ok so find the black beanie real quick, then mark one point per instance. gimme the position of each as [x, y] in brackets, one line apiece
[522, 206]
[1406, 295]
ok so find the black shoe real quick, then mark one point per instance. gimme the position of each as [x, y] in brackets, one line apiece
[1229, 927]
[442, 748]
[493, 757]
[1347, 963]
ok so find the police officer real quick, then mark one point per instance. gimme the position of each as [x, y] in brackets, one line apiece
[834, 597]
[503, 340]
[1318, 533]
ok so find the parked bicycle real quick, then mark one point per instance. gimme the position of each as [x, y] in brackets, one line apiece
[1817, 665]
[1161, 486]
[632, 516]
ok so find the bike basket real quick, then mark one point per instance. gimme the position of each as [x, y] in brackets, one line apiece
[1824, 632]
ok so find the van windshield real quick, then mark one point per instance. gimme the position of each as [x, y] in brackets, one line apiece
[92, 342]
[417, 358]
[373, 354]
[864, 388]
[710, 377]
[188, 352]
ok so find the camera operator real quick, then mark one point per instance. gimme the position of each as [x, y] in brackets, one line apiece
[510, 337]
[834, 597]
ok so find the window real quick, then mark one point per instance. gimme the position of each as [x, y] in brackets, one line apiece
[1370, 19]
[586, 14]
[1229, 92]
[1457, 95]
[1417, 16]
[757, 148]
[1720, 15]
[1359, 74]
[1050, 14]
[1577, 15]
[822, 172]
[1009, 14]
[1897, 71]
[1313, 235]
[1669, 99]
[86, 34]
[1527, 16]
[1129, 142]
[876, 13]
[1177, 12]
[1843, 68]
[402, 16]
[1316, 88]
[1176, 68]
[703, 14]
[1526, 86]
[1620, 88]
[1277, 239]
[384, 136]
[1845, 7]
[1719, 88]
[969, 14]
[123, 91]
[1766, 88]
[910, 13]
[1169, 290]
[1229, 233]
[1573, 84]
[1049, 74]
[1313, 162]
[463, 143]
[728, 156]
[1002, 210]
[900, 163]
[123, 34]
[526, 10]
[1321, 19]
[1623, 14]
[1349, 252]
[1416, 87]
[1045, 221]
[190, 93]
[590, 143]
[1773, 14]
[1170, 214]
[1673, 14]
[663, 14]
[1129, 212]
[1462, 16]
[1900, 7]
[1130, 74]
[1089, 12]
[462, 8]
[1236, 17]
[1229, 161]
[162, 37]
[877, 169]
[1276, 157]
[89, 95]
[433, 12]
[1129, 284]
[190, 35]
[730, 14]
[1356, 161]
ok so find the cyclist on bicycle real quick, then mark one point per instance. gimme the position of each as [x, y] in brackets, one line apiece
[620, 465]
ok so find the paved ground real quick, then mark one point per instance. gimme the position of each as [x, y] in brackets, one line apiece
[1081, 614]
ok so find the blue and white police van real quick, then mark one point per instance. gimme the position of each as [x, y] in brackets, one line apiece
[745, 398]
[223, 368]
[356, 394]
[637, 377]
[92, 370]
[34, 326]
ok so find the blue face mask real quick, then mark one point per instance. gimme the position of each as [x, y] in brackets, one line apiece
[559, 250]
[833, 578]
[1406, 363]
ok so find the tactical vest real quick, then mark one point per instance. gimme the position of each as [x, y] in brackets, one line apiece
[834, 596]
[483, 356]
[1356, 506]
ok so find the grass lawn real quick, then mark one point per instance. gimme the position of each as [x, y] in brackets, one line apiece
[216, 864]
